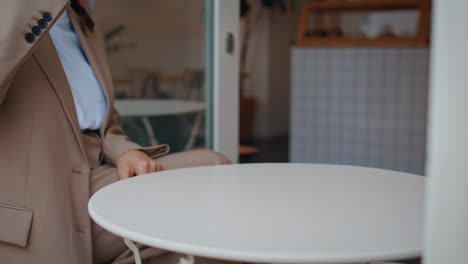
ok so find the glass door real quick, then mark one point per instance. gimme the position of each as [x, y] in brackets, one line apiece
[167, 67]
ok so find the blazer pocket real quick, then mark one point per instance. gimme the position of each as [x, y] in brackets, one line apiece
[15, 225]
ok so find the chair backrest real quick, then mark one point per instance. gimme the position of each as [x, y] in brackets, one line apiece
[193, 85]
[145, 84]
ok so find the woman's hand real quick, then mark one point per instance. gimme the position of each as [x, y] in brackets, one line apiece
[134, 163]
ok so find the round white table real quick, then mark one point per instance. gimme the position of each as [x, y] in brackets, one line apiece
[157, 107]
[145, 108]
[269, 213]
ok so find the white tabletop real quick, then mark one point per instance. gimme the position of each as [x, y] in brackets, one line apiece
[154, 107]
[277, 213]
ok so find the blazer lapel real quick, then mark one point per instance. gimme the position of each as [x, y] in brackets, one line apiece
[89, 44]
[47, 58]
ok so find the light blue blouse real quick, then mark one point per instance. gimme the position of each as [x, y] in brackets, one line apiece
[90, 101]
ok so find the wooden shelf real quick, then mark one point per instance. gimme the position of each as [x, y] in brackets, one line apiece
[365, 4]
[421, 39]
[362, 42]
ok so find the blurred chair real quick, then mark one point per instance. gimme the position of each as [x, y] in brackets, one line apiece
[140, 83]
[145, 84]
[174, 130]
[193, 89]
[192, 85]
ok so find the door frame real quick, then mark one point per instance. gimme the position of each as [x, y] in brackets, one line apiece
[225, 110]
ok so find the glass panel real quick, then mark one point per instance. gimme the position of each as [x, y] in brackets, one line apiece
[157, 55]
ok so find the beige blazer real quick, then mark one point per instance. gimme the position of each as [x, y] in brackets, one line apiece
[44, 174]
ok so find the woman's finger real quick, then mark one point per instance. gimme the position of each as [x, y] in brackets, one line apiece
[124, 172]
[158, 166]
[152, 166]
[141, 167]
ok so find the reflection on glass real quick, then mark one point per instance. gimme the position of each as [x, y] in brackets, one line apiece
[156, 55]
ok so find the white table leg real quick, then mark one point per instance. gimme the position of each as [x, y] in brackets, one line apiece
[134, 249]
[194, 131]
[187, 260]
[149, 131]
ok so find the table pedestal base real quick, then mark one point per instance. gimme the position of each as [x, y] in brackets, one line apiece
[187, 260]
[136, 254]
[134, 249]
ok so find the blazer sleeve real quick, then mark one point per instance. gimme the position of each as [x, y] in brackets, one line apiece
[17, 17]
[116, 143]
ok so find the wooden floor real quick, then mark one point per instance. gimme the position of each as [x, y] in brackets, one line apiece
[274, 150]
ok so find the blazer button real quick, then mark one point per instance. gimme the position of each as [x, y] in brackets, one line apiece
[30, 38]
[36, 30]
[47, 16]
[42, 23]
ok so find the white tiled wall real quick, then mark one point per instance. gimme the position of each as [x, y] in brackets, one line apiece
[360, 106]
